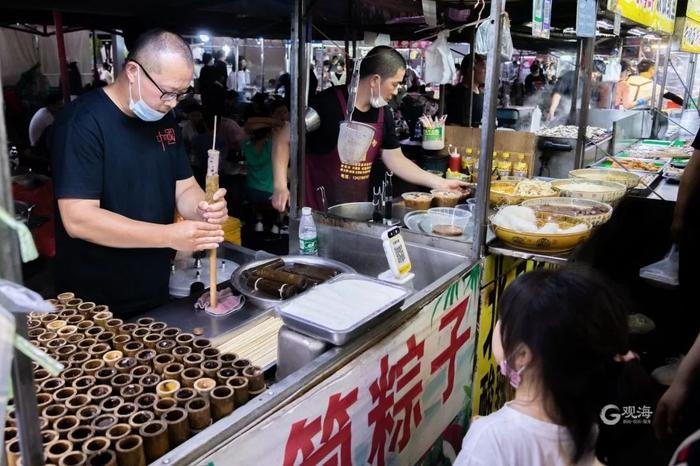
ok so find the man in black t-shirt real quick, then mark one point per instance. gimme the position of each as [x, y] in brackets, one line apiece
[381, 72]
[120, 172]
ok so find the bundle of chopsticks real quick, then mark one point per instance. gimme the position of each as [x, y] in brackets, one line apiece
[433, 122]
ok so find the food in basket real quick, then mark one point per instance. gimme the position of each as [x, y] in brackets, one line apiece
[446, 198]
[524, 220]
[571, 132]
[417, 200]
[533, 188]
[447, 230]
[587, 187]
[572, 211]
[633, 164]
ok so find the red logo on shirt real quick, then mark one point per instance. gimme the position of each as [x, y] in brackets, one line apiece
[166, 136]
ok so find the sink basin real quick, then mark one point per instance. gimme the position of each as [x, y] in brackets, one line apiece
[365, 254]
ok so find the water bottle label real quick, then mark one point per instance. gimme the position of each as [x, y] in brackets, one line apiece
[308, 246]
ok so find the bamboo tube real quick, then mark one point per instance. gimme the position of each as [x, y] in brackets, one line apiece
[79, 435]
[132, 348]
[146, 357]
[190, 375]
[167, 388]
[99, 393]
[103, 422]
[157, 327]
[204, 386]
[95, 445]
[164, 405]
[193, 360]
[165, 346]
[139, 371]
[130, 451]
[199, 414]
[240, 389]
[118, 432]
[146, 401]
[57, 449]
[76, 402]
[184, 395]
[139, 419]
[170, 333]
[178, 425]
[65, 424]
[222, 402]
[74, 458]
[162, 360]
[104, 458]
[84, 383]
[130, 392]
[185, 339]
[111, 404]
[155, 439]
[105, 375]
[180, 352]
[210, 367]
[87, 414]
[12, 452]
[126, 364]
[54, 412]
[125, 411]
[149, 382]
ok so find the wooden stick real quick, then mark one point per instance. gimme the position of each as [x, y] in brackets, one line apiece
[212, 186]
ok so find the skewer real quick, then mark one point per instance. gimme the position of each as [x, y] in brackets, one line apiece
[212, 187]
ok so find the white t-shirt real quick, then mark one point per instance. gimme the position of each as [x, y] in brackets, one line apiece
[238, 80]
[511, 438]
[41, 120]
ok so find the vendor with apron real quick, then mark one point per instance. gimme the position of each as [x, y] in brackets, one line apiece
[120, 172]
[381, 73]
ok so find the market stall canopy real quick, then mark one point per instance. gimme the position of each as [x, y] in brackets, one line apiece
[403, 20]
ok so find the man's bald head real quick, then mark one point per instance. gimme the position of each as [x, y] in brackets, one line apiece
[151, 47]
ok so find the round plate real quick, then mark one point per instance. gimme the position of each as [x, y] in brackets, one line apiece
[262, 300]
[412, 220]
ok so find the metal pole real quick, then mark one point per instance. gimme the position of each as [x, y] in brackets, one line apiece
[690, 80]
[11, 269]
[58, 24]
[95, 74]
[298, 99]
[574, 90]
[488, 130]
[662, 86]
[470, 77]
[586, 71]
[262, 64]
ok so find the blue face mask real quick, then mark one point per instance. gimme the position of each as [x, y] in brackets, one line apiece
[140, 108]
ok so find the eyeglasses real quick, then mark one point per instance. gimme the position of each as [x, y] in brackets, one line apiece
[165, 96]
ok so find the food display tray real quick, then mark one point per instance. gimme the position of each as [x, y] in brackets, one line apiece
[606, 163]
[333, 336]
[261, 300]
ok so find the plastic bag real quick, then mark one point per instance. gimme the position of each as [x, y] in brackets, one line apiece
[439, 64]
[612, 71]
[484, 39]
[665, 272]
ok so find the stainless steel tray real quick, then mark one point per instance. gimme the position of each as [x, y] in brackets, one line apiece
[262, 300]
[335, 337]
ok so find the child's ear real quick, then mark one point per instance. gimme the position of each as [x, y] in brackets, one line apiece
[523, 357]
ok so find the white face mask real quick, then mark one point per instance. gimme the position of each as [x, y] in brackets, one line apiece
[378, 101]
[140, 108]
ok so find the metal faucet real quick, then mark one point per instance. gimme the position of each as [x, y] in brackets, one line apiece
[324, 201]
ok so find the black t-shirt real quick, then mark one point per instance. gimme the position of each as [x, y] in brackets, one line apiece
[325, 138]
[456, 107]
[131, 167]
[534, 83]
[565, 85]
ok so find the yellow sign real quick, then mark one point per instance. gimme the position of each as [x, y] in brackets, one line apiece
[657, 14]
[693, 11]
[639, 11]
[690, 42]
[665, 15]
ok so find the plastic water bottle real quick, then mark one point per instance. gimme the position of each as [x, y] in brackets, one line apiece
[308, 239]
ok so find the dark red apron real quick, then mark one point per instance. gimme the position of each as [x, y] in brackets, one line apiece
[343, 182]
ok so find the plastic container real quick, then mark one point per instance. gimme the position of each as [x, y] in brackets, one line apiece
[417, 200]
[434, 138]
[520, 168]
[447, 221]
[445, 198]
[505, 166]
[308, 238]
